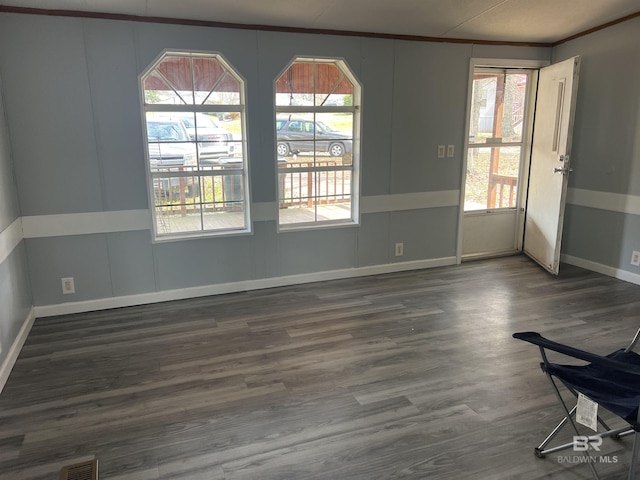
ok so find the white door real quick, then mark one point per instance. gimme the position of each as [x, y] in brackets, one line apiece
[550, 162]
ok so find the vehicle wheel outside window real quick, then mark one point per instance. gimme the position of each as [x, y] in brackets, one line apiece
[282, 149]
[336, 150]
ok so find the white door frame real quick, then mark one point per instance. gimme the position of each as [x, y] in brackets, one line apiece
[496, 63]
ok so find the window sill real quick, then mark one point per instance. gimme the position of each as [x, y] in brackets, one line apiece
[296, 227]
[202, 235]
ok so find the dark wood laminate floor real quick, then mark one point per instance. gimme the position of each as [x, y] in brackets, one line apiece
[411, 375]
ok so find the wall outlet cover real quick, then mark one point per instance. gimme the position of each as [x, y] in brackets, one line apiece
[68, 285]
[450, 151]
[635, 259]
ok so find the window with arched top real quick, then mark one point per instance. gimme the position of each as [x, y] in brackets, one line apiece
[317, 143]
[195, 136]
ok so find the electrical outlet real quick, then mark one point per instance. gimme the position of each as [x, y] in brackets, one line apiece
[440, 151]
[635, 259]
[450, 150]
[399, 249]
[68, 286]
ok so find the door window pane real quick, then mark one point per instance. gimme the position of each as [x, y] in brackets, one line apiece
[497, 109]
[492, 178]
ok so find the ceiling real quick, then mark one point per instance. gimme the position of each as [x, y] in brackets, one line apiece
[529, 21]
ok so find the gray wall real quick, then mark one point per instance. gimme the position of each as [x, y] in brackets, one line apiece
[72, 102]
[606, 148]
[74, 115]
[15, 291]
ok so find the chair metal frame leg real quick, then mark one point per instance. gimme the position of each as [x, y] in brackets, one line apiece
[541, 451]
[568, 415]
[613, 381]
[634, 470]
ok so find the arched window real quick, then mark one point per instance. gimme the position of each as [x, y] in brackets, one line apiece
[194, 117]
[317, 143]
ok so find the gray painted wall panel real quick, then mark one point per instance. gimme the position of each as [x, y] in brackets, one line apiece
[116, 113]
[604, 237]
[429, 110]
[510, 52]
[131, 262]
[317, 250]
[425, 233]
[606, 141]
[83, 257]
[237, 46]
[265, 250]
[15, 298]
[50, 117]
[9, 209]
[373, 240]
[15, 290]
[89, 156]
[203, 262]
[377, 115]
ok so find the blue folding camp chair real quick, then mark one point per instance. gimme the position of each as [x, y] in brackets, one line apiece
[612, 381]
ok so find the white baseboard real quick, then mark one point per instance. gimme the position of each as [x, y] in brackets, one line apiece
[242, 286]
[601, 268]
[14, 351]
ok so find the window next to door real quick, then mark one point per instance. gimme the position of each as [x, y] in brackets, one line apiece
[495, 144]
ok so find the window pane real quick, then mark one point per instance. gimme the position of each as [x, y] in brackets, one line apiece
[297, 188]
[172, 156]
[175, 190]
[334, 135]
[330, 83]
[342, 95]
[497, 111]
[335, 211]
[293, 137]
[177, 74]
[178, 219]
[230, 217]
[311, 137]
[295, 85]
[196, 159]
[214, 84]
[221, 190]
[227, 92]
[158, 91]
[333, 186]
[314, 196]
[315, 147]
[492, 178]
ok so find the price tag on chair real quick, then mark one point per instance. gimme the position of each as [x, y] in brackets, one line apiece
[587, 412]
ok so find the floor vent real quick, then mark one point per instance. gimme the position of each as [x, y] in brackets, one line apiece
[80, 471]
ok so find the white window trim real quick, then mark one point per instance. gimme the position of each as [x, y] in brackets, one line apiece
[158, 237]
[355, 167]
